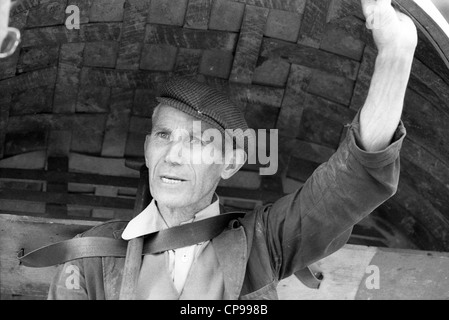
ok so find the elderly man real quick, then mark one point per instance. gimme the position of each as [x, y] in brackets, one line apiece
[250, 256]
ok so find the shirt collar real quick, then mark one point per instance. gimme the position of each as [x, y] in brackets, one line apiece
[150, 220]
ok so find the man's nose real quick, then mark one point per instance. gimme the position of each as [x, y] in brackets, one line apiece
[176, 153]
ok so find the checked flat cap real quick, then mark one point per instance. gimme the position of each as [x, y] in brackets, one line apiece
[206, 104]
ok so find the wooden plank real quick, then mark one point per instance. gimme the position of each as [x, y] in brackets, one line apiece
[313, 23]
[58, 164]
[29, 160]
[60, 34]
[101, 54]
[133, 32]
[101, 166]
[437, 168]
[187, 62]
[429, 52]
[117, 124]
[5, 106]
[319, 129]
[338, 41]
[33, 58]
[423, 211]
[50, 35]
[69, 72]
[34, 101]
[92, 32]
[427, 186]
[27, 232]
[426, 124]
[65, 198]
[248, 47]
[310, 57]
[293, 102]
[339, 9]
[106, 10]
[433, 81]
[191, 38]
[16, 143]
[73, 177]
[48, 13]
[128, 79]
[87, 133]
[29, 80]
[296, 6]
[363, 80]
[331, 87]
[255, 94]
[197, 14]
[226, 15]
[66, 90]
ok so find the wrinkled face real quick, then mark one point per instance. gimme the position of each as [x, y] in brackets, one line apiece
[173, 151]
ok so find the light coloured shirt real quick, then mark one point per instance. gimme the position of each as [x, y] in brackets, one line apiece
[180, 260]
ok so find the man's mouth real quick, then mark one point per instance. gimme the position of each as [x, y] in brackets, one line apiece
[171, 180]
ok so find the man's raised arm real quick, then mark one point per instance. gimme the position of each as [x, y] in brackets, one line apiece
[396, 38]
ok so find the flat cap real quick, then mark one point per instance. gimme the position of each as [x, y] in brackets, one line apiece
[206, 104]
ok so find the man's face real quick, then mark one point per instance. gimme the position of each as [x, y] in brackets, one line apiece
[173, 152]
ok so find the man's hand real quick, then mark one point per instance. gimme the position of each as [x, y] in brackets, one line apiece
[392, 30]
[5, 6]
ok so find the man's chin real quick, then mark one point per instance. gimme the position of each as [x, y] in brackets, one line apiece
[170, 201]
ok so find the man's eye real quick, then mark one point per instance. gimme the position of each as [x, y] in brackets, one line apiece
[163, 135]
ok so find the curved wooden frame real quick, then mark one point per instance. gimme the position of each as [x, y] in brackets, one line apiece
[427, 26]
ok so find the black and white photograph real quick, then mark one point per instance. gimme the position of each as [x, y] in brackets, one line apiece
[214, 150]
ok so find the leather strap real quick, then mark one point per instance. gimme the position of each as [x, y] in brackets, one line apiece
[164, 240]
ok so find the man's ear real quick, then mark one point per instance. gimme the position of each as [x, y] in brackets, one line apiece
[145, 149]
[233, 163]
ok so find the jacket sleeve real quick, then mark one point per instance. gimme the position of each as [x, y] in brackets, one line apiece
[316, 220]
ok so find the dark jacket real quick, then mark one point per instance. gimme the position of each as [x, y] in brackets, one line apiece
[274, 241]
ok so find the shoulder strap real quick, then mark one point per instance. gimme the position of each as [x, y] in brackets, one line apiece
[164, 240]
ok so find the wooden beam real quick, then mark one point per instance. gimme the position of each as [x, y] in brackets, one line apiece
[58, 164]
[84, 178]
[64, 198]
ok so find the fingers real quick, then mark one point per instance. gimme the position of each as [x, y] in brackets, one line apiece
[368, 6]
[379, 14]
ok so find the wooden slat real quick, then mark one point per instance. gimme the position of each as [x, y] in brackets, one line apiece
[310, 57]
[26, 232]
[85, 178]
[248, 47]
[58, 164]
[64, 198]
